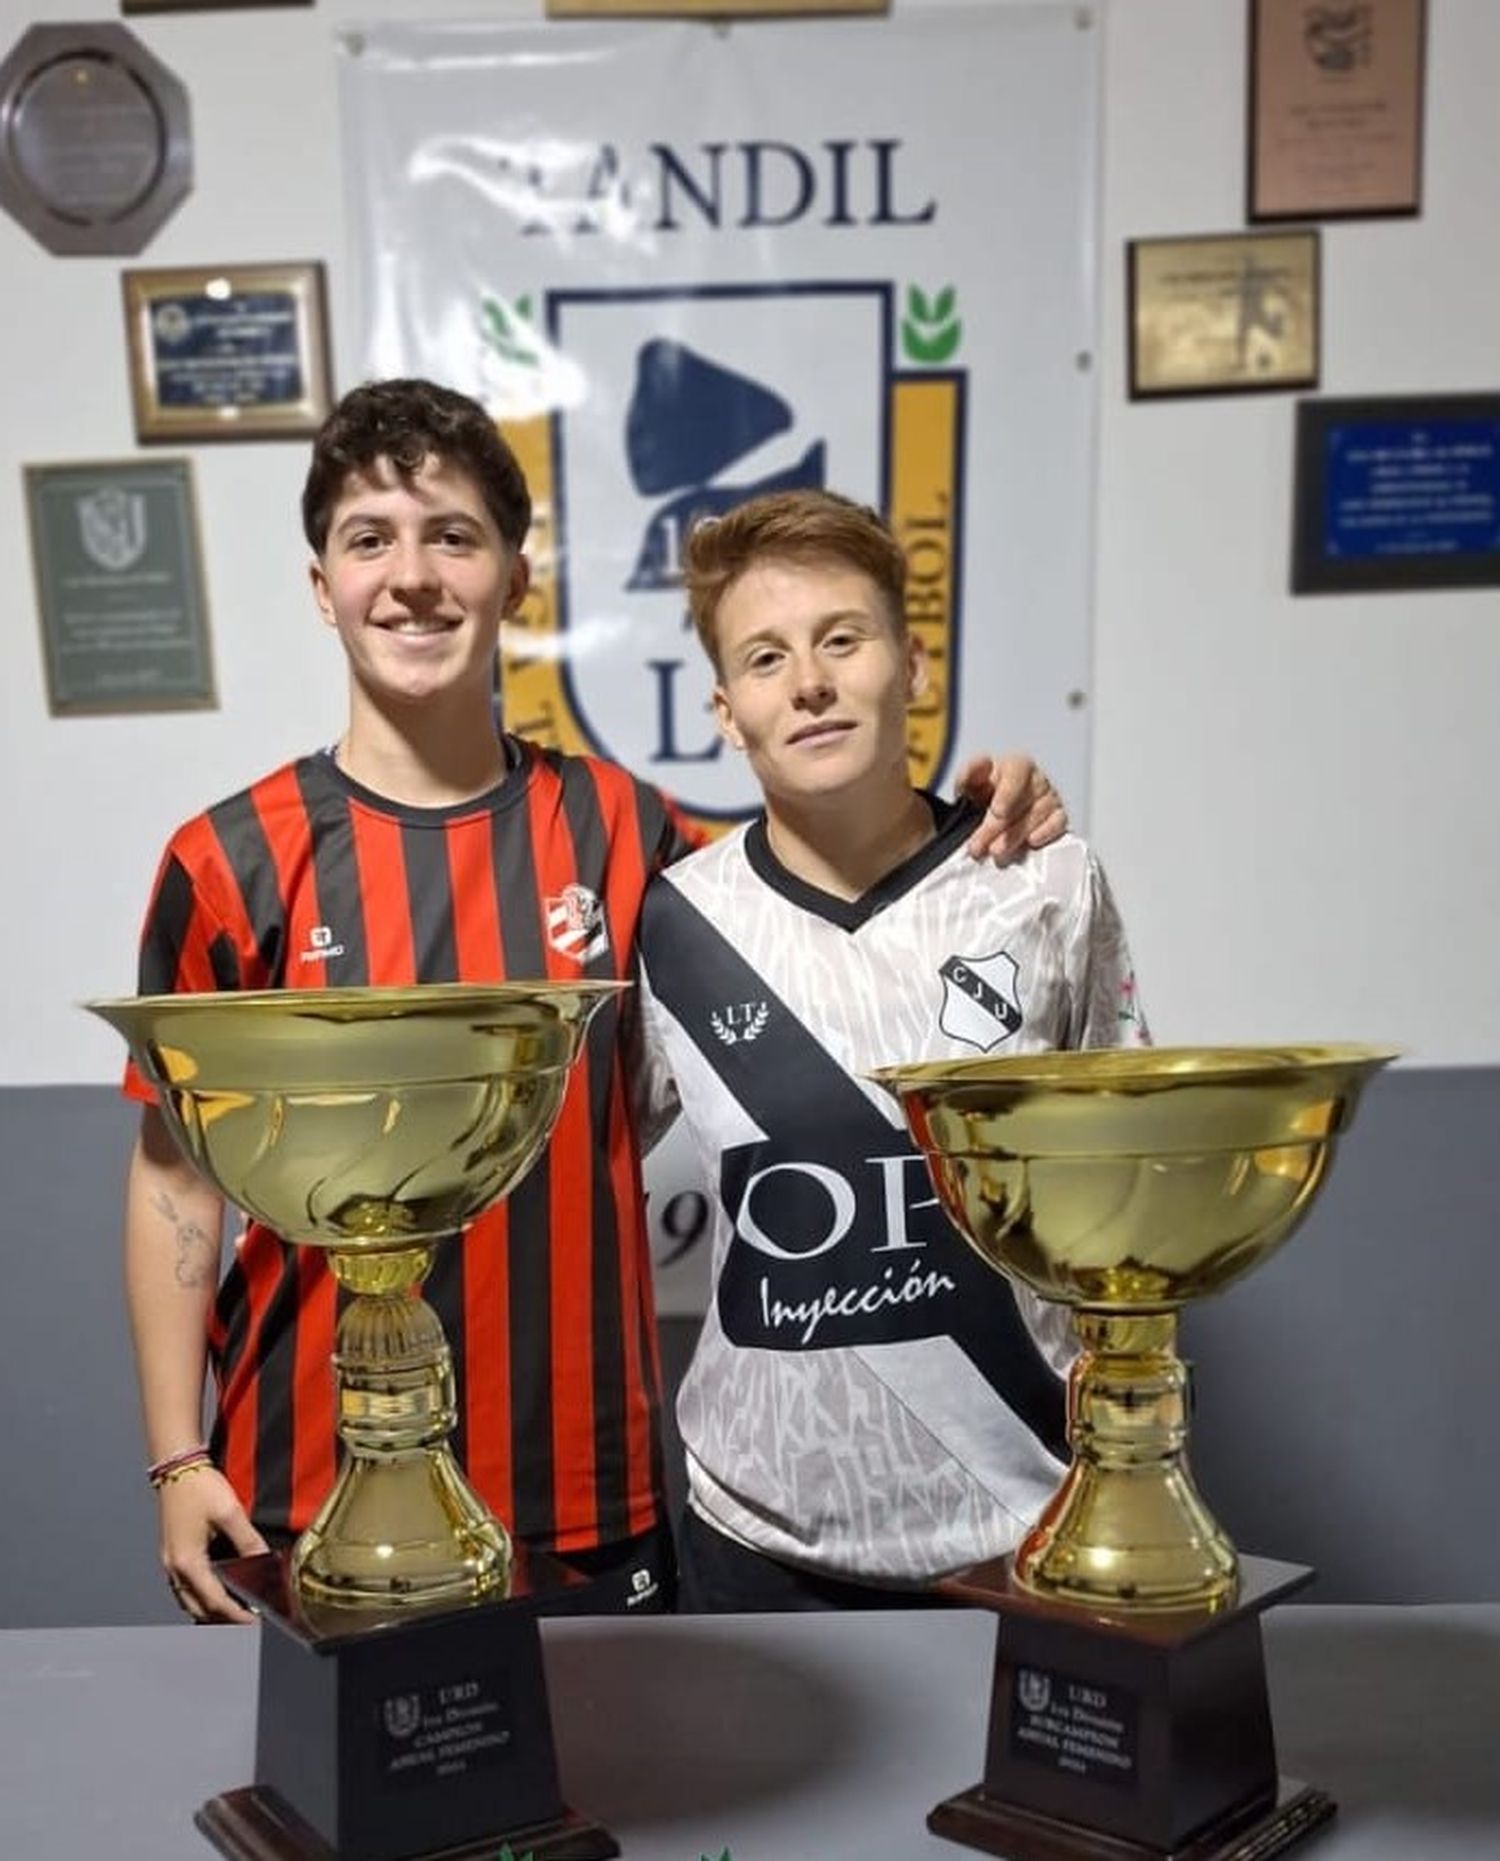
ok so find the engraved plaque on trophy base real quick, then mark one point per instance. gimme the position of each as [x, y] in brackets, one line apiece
[1129, 1737]
[403, 1738]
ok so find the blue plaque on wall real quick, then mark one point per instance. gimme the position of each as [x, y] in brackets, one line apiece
[1397, 492]
[227, 352]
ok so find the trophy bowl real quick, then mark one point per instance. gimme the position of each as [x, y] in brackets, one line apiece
[1124, 1183]
[373, 1123]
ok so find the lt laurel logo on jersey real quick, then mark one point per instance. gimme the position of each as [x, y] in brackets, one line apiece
[981, 999]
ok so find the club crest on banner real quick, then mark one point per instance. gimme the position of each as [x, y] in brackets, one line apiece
[701, 398]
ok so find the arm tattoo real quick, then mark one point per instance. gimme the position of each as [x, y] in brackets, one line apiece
[197, 1250]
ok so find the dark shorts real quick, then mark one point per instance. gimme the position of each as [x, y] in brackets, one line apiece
[637, 1576]
[717, 1576]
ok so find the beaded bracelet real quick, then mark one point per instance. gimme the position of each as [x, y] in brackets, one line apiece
[164, 1472]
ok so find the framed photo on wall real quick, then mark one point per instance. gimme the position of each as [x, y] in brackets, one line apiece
[119, 585]
[1335, 109]
[707, 9]
[1397, 492]
[1224, 313]
[227, 351]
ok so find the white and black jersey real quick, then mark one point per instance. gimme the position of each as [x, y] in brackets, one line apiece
[866, 1398]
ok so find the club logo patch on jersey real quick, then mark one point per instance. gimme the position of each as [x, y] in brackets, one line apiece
[981, 999]
[739, 1021]
[576, 924]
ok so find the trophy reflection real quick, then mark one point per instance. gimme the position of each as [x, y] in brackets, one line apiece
[1124, 1184]
[374, 1123]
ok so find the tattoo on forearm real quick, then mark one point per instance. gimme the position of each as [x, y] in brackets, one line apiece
[197, 1259]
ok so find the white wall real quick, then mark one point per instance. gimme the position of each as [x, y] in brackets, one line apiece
[1296, 799]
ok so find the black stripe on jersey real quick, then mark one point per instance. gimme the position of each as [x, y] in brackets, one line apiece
[954, 822]
[694, 971]
[166, 931]
[336, 871]
[429, 892]
[529, 1254]
[611, 1481]
[247, 853]
[275, 1397]
[429, 901]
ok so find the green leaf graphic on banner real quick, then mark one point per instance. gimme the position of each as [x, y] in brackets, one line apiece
[930, 332]
[508, 332]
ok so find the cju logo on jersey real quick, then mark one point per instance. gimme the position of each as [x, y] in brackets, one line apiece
[697, 400]
[981, 999]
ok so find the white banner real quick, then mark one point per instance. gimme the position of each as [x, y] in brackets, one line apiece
[684, 263]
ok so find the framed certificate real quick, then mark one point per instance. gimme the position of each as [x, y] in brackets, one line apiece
[119, 586]
[1335, 109]
[227, 351]
[1223, 313]
[1399, 492]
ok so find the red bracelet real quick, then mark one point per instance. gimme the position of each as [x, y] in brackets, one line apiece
[162, 1472]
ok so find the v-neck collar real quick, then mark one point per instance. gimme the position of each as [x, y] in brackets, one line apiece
[954, 821]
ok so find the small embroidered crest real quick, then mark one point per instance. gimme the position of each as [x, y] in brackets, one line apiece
[981, 999]
[576, 924]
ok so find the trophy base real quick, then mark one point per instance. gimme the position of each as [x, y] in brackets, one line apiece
[255, 1825]
[977, 1821]
[1129, 1735]
[400, 1735]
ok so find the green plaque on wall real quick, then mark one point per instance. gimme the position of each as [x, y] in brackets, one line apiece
[119, 586]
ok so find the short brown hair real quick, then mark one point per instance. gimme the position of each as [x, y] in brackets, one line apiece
[408, 422]
[788, 526]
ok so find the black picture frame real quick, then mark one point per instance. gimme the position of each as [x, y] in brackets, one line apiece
[1396, 492]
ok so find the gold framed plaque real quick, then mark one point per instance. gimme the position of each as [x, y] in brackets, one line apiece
[1335, 109]
[227, 351]
[1225, 313]
[707, 9]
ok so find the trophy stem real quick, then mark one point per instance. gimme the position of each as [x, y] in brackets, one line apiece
[402, 1526]
[1127, 1529]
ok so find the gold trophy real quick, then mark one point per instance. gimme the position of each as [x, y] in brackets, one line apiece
[403, 1705]
[1129, 1714]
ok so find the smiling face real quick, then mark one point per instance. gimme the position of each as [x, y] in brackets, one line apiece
[415, 577]
[815, 681]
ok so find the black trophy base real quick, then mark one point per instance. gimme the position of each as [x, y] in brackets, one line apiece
[401, 1735]
[977, 1821]
[255, 1825]
[1122, 1736]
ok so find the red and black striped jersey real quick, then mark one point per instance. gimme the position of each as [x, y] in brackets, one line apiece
[306, 880]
